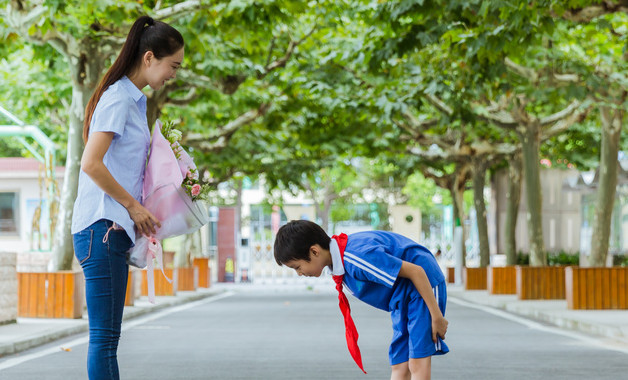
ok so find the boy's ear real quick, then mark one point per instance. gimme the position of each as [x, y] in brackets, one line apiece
[314, 250]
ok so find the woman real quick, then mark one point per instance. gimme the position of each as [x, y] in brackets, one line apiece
[107, 211]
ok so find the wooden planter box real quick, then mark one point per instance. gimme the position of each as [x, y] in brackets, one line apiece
[451, 275]
[162, 286]
[50, 294]
[502, 280]
[202, 264]
[596, 288]
[187, 278]
[475, 278]
[540, 283]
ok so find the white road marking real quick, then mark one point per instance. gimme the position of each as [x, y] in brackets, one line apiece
[125, 326]
[596, 342]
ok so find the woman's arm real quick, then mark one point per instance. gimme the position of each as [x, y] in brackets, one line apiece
[92, 164]
[416, 274]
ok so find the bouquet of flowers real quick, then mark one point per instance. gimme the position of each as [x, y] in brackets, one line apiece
[191, 182]
[171, 192]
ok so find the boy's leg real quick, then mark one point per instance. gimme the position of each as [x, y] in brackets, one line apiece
[420, 335]
[400, 372]
[399, 347]
[421, 369]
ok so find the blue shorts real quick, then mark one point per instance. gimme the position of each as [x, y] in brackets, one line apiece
[412, 327]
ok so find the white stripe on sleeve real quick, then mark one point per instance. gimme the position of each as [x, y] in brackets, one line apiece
[369, 270]
[373, 268]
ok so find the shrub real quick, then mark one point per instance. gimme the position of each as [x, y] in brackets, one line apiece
[563, 258]
[620, 260]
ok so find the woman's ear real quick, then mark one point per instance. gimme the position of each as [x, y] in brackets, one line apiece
[148, 57]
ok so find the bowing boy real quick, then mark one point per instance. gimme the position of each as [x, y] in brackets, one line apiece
[385, 270]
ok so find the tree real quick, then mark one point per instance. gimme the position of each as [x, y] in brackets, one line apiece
[32, 87]
[607, 85]
[532, 131]
[513, 197]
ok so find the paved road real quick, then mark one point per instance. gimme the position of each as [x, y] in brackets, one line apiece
[300, 335]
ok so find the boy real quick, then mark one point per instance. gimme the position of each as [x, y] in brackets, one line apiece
[385, 270]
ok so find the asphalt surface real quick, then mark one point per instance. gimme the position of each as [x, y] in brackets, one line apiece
[292, 334]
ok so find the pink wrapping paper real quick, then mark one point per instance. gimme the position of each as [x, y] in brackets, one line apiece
[166, 199]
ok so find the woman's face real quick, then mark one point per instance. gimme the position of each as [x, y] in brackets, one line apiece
[159, 71]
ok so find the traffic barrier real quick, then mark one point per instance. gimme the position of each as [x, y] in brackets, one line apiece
[596, 288]
[475, 278]
[50, 294]
[502, 280]
[540, 283]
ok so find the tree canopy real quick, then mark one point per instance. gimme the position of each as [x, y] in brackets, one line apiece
[314, 93]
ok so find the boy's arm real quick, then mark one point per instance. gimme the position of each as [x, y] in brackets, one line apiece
[417, 275]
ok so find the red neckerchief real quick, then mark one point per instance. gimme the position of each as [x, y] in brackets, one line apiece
[351, 333]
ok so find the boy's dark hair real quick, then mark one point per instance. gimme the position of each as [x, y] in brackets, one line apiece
[293, 240]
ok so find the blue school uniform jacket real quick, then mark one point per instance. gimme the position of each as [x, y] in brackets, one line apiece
[372, 260]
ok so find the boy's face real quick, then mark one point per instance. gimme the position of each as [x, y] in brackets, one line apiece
[312, 268]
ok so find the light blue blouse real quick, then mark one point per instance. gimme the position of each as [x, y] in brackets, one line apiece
[121, 110]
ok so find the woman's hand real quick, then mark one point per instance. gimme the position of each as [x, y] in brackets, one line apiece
[92, 164]
[144, 220]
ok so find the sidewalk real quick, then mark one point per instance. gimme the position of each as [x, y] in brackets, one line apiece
[32, 332]
[605, 323]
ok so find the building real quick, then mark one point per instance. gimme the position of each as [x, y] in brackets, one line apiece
[25, 205]
[561, 213]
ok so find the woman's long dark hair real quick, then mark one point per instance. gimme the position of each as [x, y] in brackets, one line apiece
[145, 35]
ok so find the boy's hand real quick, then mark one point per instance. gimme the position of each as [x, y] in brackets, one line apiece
[439, 328]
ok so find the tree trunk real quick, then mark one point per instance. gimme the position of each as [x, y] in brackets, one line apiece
[479, 181]
[531, 170]
[239, 189]
[85, 69]
[611, 131]
[190, 247]
[328, 199]
[513, 197]
[63, 251]
[458, 200]
[182, 255]
[154, 104]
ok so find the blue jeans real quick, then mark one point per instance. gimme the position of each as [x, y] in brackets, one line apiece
[101, 251]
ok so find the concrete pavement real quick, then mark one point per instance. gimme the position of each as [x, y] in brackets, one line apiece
[612, 324]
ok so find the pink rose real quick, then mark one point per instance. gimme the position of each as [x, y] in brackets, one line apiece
[196, 190]
[192, 176]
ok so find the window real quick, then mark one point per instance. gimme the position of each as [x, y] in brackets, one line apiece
[8, 213]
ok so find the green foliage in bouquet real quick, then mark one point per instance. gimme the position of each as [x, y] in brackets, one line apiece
[191, 183]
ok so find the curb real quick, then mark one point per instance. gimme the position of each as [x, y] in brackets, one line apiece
[582, 321]
[570, 323]
[38, 340]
